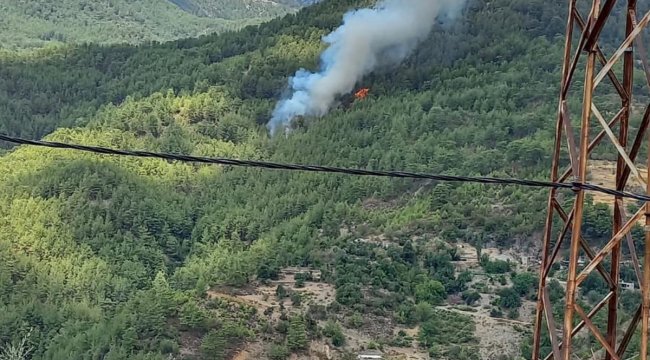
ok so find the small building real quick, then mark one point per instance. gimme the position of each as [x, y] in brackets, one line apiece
[370, 355]
[627, 285]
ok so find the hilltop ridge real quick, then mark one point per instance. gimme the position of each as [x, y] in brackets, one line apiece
[36, 23]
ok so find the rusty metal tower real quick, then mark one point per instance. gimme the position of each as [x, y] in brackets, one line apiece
[584, 49]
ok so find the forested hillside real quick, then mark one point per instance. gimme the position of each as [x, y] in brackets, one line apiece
[228, 9]
[116, 258]
[35, 23]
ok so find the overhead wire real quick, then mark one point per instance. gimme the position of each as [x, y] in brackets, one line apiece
[326, 169]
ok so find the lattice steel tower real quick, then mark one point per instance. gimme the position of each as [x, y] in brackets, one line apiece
[584, 49]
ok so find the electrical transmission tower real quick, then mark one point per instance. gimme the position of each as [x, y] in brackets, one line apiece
[584, 49]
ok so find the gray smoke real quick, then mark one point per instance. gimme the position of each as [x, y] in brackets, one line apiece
[383, 35]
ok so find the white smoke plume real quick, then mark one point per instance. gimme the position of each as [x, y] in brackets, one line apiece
[383, 35]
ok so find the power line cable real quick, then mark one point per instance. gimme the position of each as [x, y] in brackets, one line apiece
[326, 169]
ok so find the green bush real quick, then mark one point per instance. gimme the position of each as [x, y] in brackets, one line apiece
[401, 340]
[355, 321]
[330, 328]
[470, 297]
[268, 272]
[349, 294]
[525, 284]
[509, 298]
[444, 331]
[303, 276]
[335, 333]
[296, 299]
[502, 280]
[496, 313]
[494, 266]
[300, 282]
[282, 327]
[192, 316]
[423, 311]
[430, 291]
[372, 345]
[338, 339]
[280, 292]
[278, 352]
[168, 346]
[513, 314]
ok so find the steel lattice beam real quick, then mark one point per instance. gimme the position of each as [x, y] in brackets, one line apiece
[616, 132]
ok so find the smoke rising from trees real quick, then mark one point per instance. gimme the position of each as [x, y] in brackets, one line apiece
[383, 35]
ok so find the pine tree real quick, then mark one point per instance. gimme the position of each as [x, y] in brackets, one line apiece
[296, 336]
[213, 346]
[163, 293]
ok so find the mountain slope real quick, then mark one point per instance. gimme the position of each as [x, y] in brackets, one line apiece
[107, 257]
[35, 23]
[228, 9]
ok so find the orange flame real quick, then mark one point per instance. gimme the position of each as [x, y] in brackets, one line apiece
[362, 94]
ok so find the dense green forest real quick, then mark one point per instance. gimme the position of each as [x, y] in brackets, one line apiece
[113, 258]
[35, 23]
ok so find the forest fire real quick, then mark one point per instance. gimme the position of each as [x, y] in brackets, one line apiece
[362, 94]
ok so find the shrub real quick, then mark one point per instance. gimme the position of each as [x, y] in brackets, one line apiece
[525, 284]
[423, 312]
[266, 272]
[509, 299]
[278, 352]
[338, 339]
[300, 282]
[355, 321]
[430, 291]
[192, 316]
[334, 332]
[349, 294]
[168, 346]
[280, 292]
[496, 313]
[296, 299]
[282, 327]
[513, 314]
[494, 266]
[471, 296]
